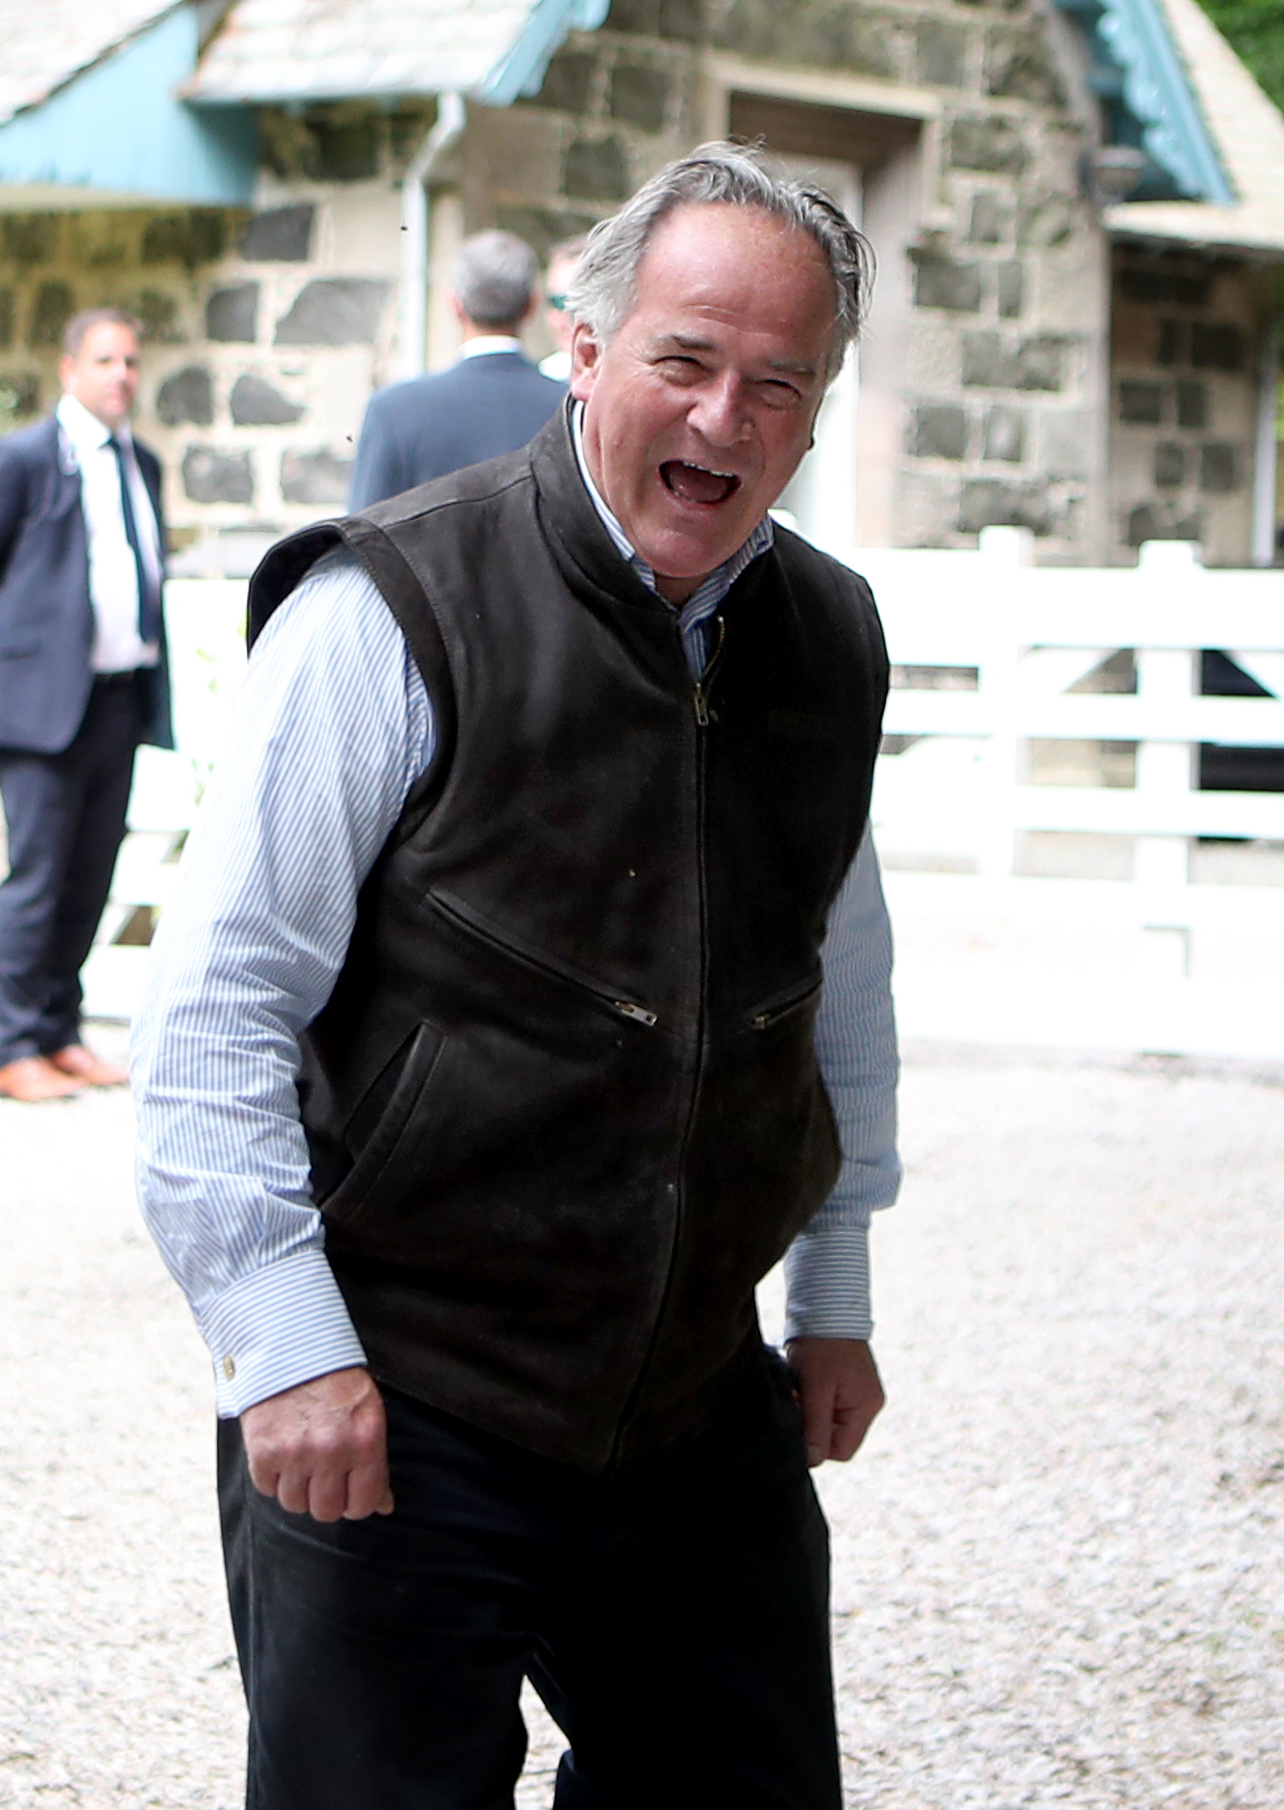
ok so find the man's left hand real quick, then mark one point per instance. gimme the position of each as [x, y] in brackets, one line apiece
[839, 1392]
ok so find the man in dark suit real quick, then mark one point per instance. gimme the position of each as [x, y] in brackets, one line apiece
[491, 402]
[82, 681]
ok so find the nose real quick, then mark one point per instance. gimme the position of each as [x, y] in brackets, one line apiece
[719, 413]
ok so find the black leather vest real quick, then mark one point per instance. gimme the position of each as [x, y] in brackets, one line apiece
[563, 1104]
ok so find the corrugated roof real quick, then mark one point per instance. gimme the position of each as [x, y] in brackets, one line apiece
[46, 42]
[1248, 130]
[280, 50]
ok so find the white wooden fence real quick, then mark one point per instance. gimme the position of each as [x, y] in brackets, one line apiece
[986, 648]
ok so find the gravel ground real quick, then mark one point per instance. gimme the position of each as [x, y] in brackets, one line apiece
[1059, 1576]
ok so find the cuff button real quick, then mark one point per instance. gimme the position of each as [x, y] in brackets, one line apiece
[229, 1368]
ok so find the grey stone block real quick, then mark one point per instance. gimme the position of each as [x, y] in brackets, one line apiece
[938, 431]
[159, 315]
[597, 169]
[347, 148]
[1046, 222]
[830, 34]
[992, 362]
[1004, 435]
[543, 227]
[1172, 342]
[1065, 443]
[1192, 405]
[232, 314]
[53, 308]
[1219, 467]
[334, 311]
[316, 478]
[640, 95]
[941, 282]
[1153, 521]
[990, 218]
[985, 142]
[19, 395]
[1216, 346]
[29, 238]
[940, 53]
[193, 236]
[186, 395]
[1170, 465]
[1190, 289]
[1141, 404]
[1018, 67]
[257, 403]
[1010, 286]
[988, 503]
[681, 20]
[567, 83]
[210, 476]
[281, 235]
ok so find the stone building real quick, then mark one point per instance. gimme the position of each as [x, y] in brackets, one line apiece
[1077, 208]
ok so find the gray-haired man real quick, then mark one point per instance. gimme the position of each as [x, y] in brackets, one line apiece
[542, 863]
[491, 402]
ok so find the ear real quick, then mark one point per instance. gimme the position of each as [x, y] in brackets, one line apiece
[586, 361]
[66, 365]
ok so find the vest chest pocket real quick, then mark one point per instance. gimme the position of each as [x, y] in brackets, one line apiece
[382, 1119]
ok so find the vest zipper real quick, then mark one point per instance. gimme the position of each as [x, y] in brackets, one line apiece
[781, 1008]
[703, 715]
[464, 920]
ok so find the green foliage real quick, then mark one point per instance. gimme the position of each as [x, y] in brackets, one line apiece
[1255, 31]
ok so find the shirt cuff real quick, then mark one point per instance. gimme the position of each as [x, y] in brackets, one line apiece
[827, 1284]
[283, 1325]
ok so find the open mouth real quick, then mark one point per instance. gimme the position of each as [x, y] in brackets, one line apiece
[696, 483]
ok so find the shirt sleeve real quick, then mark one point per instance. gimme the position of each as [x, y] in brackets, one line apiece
[827, 1266]
[334, 725]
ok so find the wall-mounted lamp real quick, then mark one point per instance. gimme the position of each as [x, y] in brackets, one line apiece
[1111, 172]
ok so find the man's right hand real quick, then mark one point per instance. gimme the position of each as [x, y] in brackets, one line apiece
[321, 1448]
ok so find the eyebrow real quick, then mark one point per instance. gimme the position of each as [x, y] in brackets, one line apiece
[686, 342]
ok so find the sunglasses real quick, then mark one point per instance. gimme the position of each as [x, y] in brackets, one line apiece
[558, 302]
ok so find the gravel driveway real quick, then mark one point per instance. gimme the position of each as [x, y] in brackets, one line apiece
[1059, 1567]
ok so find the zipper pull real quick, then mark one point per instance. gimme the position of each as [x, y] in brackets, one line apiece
[639, 1014]
[701, 707]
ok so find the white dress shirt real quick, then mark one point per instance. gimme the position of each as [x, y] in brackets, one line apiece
[335, 726]
[113, 575]
[483, 344]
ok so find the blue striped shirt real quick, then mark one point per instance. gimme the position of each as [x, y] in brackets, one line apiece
[334, 726]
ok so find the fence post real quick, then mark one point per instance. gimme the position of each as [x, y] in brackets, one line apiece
[1166, 770]
[1005, 551]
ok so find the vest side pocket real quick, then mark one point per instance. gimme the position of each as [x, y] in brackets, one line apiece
[378, 1130]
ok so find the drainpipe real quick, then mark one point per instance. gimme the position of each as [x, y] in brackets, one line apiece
[1268, 377]
[414, 231]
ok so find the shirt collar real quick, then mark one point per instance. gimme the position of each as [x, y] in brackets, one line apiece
[485, 343]
[715, 587]
[83, 428]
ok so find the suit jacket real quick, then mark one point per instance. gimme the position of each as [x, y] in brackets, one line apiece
[431, 426]
[46, 617]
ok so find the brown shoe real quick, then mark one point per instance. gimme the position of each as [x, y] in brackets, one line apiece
[33, 1078]
[84, 1066]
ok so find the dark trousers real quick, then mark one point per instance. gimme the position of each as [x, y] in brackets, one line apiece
[65, 817]
[674, 1618]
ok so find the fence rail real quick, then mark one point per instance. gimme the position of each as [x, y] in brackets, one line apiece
[992, 655]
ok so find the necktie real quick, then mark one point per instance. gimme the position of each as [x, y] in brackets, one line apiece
[149, 609]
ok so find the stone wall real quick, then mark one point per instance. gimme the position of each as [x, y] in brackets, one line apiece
[1184, 401]
[985, 380]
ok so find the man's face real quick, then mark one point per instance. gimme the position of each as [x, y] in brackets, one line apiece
[556, 282]
[103, 375]
[699, 409]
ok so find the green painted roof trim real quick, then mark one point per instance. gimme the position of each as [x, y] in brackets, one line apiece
[117, 134]
[522, 71]
[1145, 77]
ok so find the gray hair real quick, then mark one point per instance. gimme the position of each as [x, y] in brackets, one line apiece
[74, 333]
[605, 285]
[494, 277]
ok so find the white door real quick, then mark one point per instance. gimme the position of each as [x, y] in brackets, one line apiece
[820, 500]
